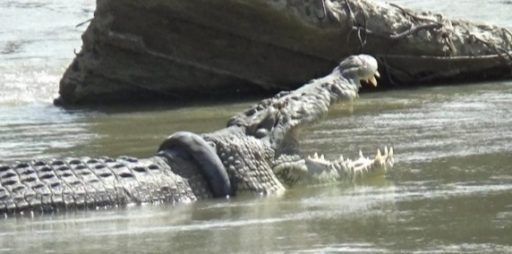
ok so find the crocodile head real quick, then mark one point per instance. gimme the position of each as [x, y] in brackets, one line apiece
[260, 147]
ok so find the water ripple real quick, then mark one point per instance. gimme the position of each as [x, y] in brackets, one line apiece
[439, 124]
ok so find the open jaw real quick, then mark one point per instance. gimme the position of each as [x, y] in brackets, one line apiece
[348, 169]
[259, 150]
[372, 79]
[316, 168]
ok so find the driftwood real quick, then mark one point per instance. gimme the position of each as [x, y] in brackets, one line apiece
[172, 49]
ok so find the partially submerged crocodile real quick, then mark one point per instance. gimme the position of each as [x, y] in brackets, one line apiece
[257, 152]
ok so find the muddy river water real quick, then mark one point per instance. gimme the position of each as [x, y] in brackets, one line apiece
[449, 192]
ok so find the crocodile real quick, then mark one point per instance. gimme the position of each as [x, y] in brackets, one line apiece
[258, 151]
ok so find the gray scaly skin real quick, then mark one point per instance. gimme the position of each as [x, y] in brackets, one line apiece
[272, 127]
[257, 152]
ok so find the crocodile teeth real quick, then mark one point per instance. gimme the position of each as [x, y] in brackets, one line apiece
[391, 151]
[379, 155]
[317, 158]
[372, 81]
[318, 161]
[377, 74]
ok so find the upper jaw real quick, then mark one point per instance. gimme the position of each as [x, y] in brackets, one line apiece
[360, 68]
[372, 80]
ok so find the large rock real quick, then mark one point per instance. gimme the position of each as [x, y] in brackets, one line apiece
[171, 49]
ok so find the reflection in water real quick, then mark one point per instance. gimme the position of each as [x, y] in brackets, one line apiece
[298, 220]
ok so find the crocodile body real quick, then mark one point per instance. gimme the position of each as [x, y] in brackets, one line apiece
[48, 186]
[257, 152]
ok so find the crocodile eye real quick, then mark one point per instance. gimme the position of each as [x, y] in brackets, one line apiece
[213, 145]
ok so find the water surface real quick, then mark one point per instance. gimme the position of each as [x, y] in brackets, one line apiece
[450, 191]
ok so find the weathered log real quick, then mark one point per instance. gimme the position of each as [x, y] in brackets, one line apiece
[170, 49]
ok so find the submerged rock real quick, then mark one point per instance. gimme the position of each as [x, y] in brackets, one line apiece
[179, 50]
